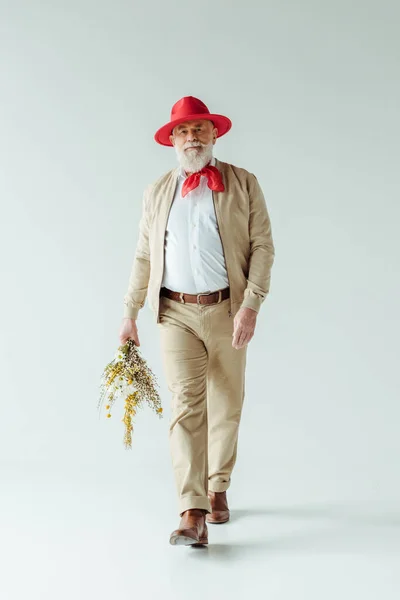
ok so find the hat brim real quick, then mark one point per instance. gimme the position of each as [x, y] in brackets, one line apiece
[223, 124]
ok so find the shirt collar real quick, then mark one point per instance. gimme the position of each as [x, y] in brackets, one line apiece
[181, 170]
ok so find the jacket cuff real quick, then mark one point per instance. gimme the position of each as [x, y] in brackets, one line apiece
[252, 300]
[131, 312]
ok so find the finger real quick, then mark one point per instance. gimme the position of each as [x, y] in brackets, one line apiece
[244, 340]
[247, 339]
[236, 340]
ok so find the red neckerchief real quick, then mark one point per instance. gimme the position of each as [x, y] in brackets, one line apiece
[214, 180]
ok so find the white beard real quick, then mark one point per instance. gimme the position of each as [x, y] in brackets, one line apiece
[194, 160]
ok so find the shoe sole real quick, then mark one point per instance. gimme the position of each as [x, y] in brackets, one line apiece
[184, 540]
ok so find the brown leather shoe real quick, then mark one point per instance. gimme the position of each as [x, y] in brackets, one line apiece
[219, 508]
[192, 529]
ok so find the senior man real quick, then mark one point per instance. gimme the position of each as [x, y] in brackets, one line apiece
[203, 259]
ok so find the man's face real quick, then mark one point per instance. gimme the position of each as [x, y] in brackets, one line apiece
[193, 134]
[193, 141]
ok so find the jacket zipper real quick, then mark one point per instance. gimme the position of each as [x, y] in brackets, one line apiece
[222, 244]
[163, 251]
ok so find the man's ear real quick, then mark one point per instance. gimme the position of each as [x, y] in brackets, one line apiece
[171, 139]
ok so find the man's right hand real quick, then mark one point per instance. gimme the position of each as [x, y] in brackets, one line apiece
[129, 331]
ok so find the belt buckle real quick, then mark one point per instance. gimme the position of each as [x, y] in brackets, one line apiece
[202, 294]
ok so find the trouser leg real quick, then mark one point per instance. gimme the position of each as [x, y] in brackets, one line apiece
[225, 396]
[185, 362]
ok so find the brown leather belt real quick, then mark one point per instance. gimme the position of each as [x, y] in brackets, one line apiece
[208, 297]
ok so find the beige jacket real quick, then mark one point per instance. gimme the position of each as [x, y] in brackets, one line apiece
[245, 231]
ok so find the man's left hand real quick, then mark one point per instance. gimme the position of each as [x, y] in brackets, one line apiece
[244, 325]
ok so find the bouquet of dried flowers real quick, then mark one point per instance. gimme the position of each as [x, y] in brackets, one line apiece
[128, 376]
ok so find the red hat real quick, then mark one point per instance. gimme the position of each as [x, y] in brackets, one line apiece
[189, 108]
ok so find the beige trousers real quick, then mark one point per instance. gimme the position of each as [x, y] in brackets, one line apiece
[206, 377]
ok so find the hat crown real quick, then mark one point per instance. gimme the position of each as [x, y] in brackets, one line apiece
[188, 105]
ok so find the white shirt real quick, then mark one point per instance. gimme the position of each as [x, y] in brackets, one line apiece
[194, 260]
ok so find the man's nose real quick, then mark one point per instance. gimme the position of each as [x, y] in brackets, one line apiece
[191, 136]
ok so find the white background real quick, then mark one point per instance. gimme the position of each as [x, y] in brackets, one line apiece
[313, 92]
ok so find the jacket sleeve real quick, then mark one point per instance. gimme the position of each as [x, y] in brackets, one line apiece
[262, 251]
[136, 294]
